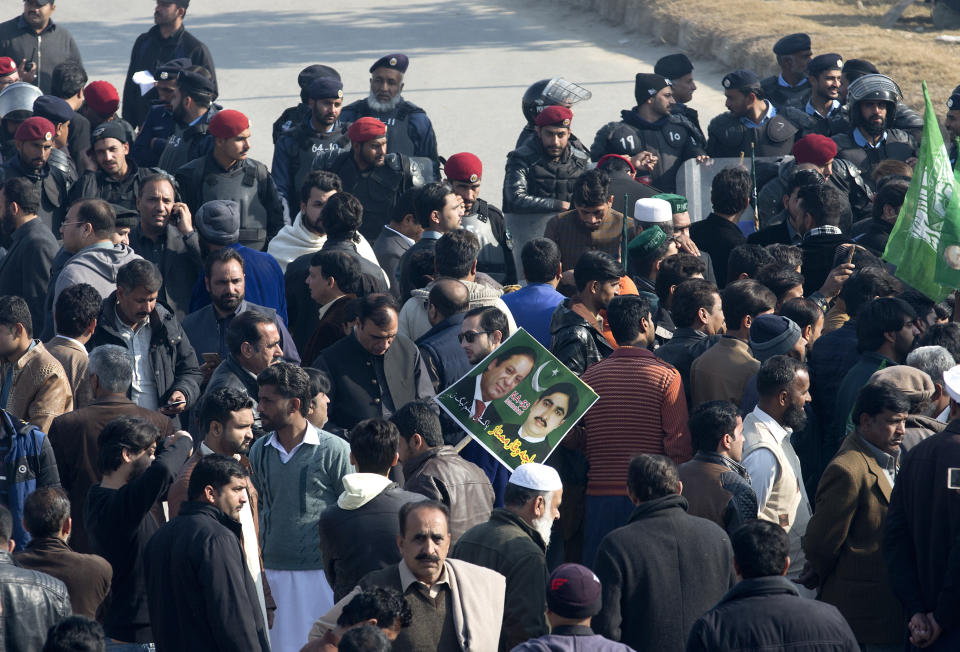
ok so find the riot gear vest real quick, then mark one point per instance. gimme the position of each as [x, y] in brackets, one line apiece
[729, 137]
[897, 145]
[397, 121]
[481, 222]
[53, 185]
[188, 143]
[311, 143]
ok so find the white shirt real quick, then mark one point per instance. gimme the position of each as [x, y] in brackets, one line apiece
[409, 241]
[312, 437]
[478, 396]
[532, 440]
[143, 389]
[761, 463]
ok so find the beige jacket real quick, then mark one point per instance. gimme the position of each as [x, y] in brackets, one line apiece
[73, 357]
[40, 391]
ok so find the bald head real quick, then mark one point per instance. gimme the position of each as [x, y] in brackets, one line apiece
[448, 297]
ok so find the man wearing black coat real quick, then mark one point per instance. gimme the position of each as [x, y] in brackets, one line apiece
[664, 568]
[447, 306]
[821, 207]
[34, 37]
[719, 234]
[200, 594]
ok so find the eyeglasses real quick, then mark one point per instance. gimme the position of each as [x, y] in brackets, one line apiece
[71, 224]
[470, 336]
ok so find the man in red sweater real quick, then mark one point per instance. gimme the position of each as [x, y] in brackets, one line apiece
[642, 409]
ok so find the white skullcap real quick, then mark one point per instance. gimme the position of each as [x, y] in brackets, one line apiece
[538, 477]
[653, 211]
[951, 379]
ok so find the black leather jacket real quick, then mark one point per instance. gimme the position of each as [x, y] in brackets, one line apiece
[535, 184]
[574, 341]
[34, 602]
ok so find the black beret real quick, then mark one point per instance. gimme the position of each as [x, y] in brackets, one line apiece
[647, 85]
[395, 61]
[823, 62]
[193, 81]
[170, 69]
[741, 80]
[315, 71]
[792, 43]
[109, 129]
[53, 109]
[323, 88]
[673, 66]
[859, 67]
[953, 102]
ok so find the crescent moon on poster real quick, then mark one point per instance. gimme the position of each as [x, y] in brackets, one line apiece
[535, 383]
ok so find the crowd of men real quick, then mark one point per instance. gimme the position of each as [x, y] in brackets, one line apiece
[216, 378]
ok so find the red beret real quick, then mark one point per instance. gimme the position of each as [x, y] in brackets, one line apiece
[625, 159]
[7, 66]
[814, 148]
[228, 124]
[35, 128]
[463, 167]
[556, 115]
[102, 97]
[365, 129]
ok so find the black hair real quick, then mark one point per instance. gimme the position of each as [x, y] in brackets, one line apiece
[157, 177]
[364, 638]
[218, 404]
[45, 511]
[373, 443]
[777, 373]
[290, 382]
[406, 205]
[75, 634]
[421, 268]
[746, 259]
[730, 191]
[784, 254]
[319, 381]
[824, 203]
[568, 390]
[864, 285]
[801, 178]
[642, 263]
[409, 508]
[878, 317]
[624, 315]
[778, 278]
[891, 193]
[13, 311]
[76, 308]
[68, 79]
[803, 312]
[652, 476]
[595, 265]
[592, 188]
[760, 549]
[540, 259]
[743, 298]
[449, 297]
[456, 252]
[417, 417]
[491, 319]
[342, 215]
[244, 328]
[99, 215]
[220, 257]
[24, 192]
[124, 433]
[710, 421]
[921, 304]
[875, 397]
[385, 605]
[215, 471]
[674, 270]
[689, 297]
[344, 268]
[945, 335]
[322, 180]
[139, 273]
[524, 351]
[377, 308]
[432, 197]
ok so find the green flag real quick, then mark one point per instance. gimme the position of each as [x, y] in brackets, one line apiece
[925, 241]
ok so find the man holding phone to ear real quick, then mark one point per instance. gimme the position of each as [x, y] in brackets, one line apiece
[36, 44]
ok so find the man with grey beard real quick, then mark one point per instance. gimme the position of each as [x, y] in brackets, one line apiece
[513, 543]
[409, 130]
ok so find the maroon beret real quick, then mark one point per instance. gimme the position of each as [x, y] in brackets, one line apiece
[35, 128]
[365, 129]
[557, 115]
[463, 167]
[102, 97]
[7, 66]
[814, 148]
[228, 124]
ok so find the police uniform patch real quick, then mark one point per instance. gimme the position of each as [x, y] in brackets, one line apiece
[474, 178]
[393, 61]
[47, 136]
[339, 94]
[840, 63]
[726, 83]
[164, 75]
[566, 122]
[950, 103]
[674, 136]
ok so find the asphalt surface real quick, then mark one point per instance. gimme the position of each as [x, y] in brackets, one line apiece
[470, 62]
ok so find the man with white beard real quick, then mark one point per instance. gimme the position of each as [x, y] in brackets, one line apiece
[513, 543]
[409, 130]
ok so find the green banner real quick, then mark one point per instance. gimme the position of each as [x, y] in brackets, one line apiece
[518, 402]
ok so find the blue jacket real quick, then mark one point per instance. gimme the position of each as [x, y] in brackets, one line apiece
[533, 307]
[264, 282]
[158, 124]
[29, 465]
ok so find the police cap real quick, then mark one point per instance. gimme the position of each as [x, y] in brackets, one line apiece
[325, 88]
[53, 109]
[673, 66]
[953, 102]
[854, 68]
[315, 71]
[192, 81]
[169, 70]
[792, 43]
[35, 128]
[394, 61]
[741, 80]
[824, 62]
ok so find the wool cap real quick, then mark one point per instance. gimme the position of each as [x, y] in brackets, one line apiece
[574, 592]
[126, 217]
[109, 129]
[646, 85]
[228, 124]
[772, 335]
[218, 221]
[916, 384]
[102, 97]
[365, 129]
[814, 148]
[464, 167]
[538, 477]
[673, 66]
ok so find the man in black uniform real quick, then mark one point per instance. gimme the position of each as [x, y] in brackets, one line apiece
[410, 130]
[320, 131]
[370, 174]
[853, 69]
[464, 171]
[117, 179]
[749, 121]
[294, 115]
[192, 107]
[165, 41]
[952, 124]
[60, 115]
[549, 92]
[227, 173]
[790, 87]
[679, 70]
[873, 102]
[823, 75]
[34, 142]
[36, 44]
[656, 140]
[16, 105]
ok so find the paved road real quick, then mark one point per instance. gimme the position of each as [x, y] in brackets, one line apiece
[471, 61]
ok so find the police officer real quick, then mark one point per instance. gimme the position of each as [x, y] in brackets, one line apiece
[790, 87]
[656, 140]
[34, 142]
[193, 109]
[292, 116]
[371, 174]
[16, 105]
[159, 123]
[410, 131]
[117, 179]
[750, 121]
[59, 113]
[823, 75]
[679, 70]
[464, 171]
[626, 190]
[317, 132]
[873, 102]
[853, 69]
[952, 124]
[227, 173]
[549, 92]
[165, 41]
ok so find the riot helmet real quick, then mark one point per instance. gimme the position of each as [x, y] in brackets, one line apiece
[873, 87]
[551, 92]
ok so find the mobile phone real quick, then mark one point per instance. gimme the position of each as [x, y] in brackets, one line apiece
[175, 216]
[953, 478]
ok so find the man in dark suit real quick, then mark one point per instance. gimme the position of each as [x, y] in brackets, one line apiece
[788, 222]
[438, 210]
[397, 237]
[821, 207]
[719, 233]
[503, 373]
[334, 280]
[73, 435]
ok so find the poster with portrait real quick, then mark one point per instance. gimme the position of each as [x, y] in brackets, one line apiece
[518, 402]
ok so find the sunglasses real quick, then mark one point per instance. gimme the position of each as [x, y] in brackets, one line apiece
[470, 336]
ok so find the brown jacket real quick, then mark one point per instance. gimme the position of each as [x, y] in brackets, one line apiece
[87, 577]
[40, 390]
[74, 440]
[73, 356]
[721, 372]
[843, 544]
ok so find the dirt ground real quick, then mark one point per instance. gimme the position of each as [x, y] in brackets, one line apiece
[909, 52]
